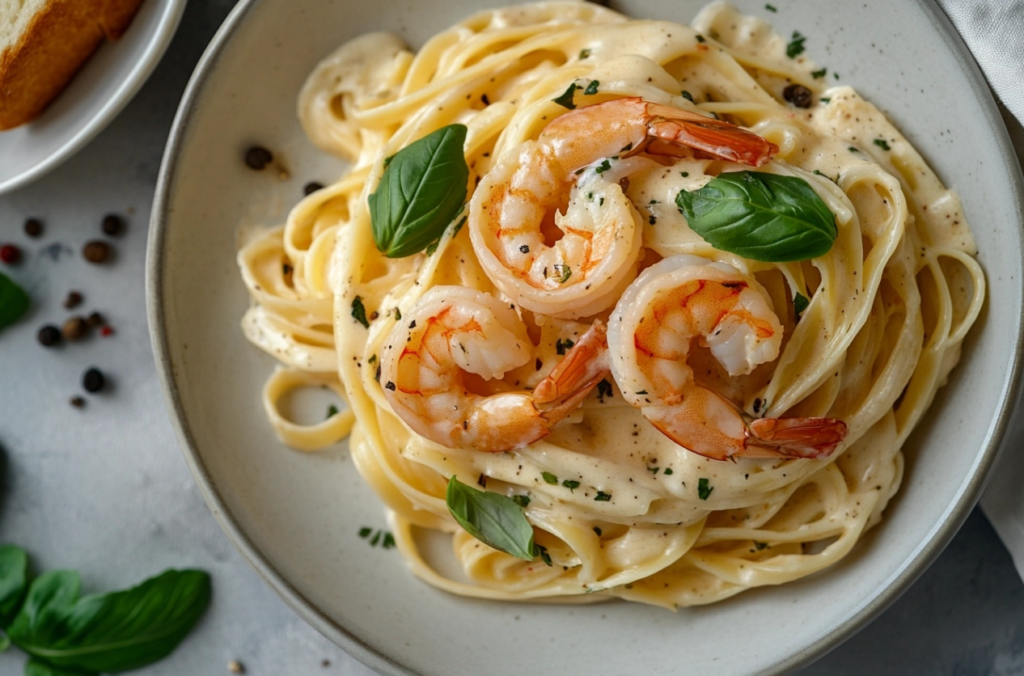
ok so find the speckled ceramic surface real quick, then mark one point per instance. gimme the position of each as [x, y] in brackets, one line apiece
[296, 516]
[97, 94]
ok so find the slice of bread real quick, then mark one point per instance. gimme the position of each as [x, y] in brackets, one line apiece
[43, 43]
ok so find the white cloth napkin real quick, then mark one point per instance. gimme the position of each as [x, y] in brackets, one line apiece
[994, 32]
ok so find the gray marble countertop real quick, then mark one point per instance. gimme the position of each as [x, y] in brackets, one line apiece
[104, 489]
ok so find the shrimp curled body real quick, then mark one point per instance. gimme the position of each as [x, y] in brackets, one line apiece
[650, 333]
[441, 368]
[550, 223]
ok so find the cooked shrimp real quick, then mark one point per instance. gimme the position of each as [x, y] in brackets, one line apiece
[651, 330]
[581, 156]
[441, 368]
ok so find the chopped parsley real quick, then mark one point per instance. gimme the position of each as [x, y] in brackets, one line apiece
[565, 100]
[549, 478]
[853, 150]
[591, 88]
[654, 470]
[760, 545]
[561, 346]
[834, 180]
[881, 143]
[332, 411]
[359, 312]
[571, 485]
[700, 38]
[604, 166]
[626, 148]
[382, 537]
[521, 500]
[398, 315]
[771, 8]
[584, 53]
[688, 96]
[800, 303]
[703, 489]
[796, 46]
[603, 497]
[542, 552]
[825, 99]
[597, 529]
[563, 271]
[684, 174]
[818, 74]
[668, 470]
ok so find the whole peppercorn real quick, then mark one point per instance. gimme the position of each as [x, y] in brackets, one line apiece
[258, 157]
[49, 336]
[33, 227]
[10, 254]
[96, 251]
[113, 225]
[799, 95]
[95, 319]
[74, 329]
[77, 402]
[73, 300]
[93, 380]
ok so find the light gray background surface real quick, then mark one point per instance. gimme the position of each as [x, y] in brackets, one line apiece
[105, 489]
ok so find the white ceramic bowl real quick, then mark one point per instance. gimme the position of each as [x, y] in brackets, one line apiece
[295, 516]
[104, 86]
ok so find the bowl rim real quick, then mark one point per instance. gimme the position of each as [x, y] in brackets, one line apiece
[307, 609]
[169, 16]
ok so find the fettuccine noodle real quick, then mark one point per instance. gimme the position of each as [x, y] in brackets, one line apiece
[890, 305]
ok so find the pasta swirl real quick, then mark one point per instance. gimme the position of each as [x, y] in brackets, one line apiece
[630, 513]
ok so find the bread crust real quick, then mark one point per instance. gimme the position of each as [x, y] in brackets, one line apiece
[56, 44]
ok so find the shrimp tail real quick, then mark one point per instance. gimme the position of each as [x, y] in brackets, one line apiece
[794, 437]
[582, 369]
[671, 128]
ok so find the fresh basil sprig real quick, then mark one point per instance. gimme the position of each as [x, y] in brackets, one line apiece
[764, 217]
[13, 301]
[493, 519]
[421, 191]
[66, 635]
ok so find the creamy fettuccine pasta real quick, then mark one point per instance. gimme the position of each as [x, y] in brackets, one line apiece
[678, 421]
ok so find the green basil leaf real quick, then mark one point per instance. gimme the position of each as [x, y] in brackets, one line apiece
[13, 301]
[109, 632]
[420, 193]
[13, 581]
[493, 519]
[36, 667]
[49, 597]
[760, 216]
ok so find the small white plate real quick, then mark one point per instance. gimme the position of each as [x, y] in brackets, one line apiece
[296, 516]
[99, 91]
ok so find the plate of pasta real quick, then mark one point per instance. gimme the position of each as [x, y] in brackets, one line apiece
[584, 339]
